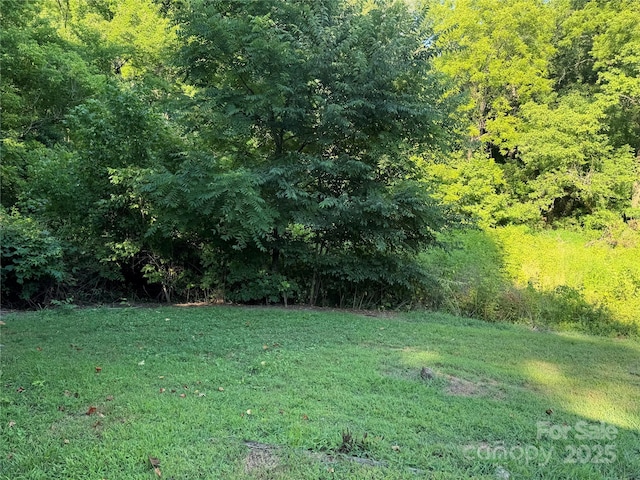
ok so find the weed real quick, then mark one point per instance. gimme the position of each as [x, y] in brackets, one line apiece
[551, 279]
[352, 445]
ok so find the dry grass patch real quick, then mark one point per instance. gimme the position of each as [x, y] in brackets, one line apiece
[261, 457]
[465, 388]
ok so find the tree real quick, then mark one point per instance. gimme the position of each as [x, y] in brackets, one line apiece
[70, 121]
[499, 53]
[43, 76]
[597, 54]
[552, 100]
[321, 103]
[131, 39]
[578, 148]
[569, 168]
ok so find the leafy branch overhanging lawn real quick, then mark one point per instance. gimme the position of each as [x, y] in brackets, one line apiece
[95, 393]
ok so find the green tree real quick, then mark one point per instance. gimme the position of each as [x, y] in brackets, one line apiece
[552, 89]
[31, 259]
[43, 76]
[498, 52]
[568, 166]
[131, 39]
[598, 54]
[322, 104]
[578, 148]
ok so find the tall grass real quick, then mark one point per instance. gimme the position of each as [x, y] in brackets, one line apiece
[585, 281]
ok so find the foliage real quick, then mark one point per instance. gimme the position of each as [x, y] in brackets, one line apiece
[128, 39]
[43, 77]
[552, 100]
[319, 104]
[474, 187]
[309, 152]
[580, 282]
[568, 167]
[32, 260]
[498, 52]
[598, 54]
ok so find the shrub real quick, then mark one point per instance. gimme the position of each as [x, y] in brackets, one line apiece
[32, 259]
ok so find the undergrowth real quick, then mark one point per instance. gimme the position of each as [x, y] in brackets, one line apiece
[560, 279]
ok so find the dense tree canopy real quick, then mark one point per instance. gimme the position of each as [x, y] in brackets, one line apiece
[301, 151]
[550, 103]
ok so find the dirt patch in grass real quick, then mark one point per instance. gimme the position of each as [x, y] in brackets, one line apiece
[261, 457]
[451, 384]
[405, 373]
[465, 388]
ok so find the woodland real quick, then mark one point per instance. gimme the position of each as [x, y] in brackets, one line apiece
[306, 152]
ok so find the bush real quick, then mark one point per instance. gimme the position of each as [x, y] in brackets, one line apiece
[32, 259]
[470, 274]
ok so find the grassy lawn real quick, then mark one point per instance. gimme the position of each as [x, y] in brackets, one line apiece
[93, 393]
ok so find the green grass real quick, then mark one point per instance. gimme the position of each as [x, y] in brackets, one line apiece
[307, 376]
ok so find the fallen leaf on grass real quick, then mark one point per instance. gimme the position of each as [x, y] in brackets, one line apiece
[98, 369]
[91, 410]
[155, 464]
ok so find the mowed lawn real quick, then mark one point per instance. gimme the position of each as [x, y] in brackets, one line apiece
[274, 393]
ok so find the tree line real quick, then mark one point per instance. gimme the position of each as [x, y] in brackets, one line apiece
[303, 151]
